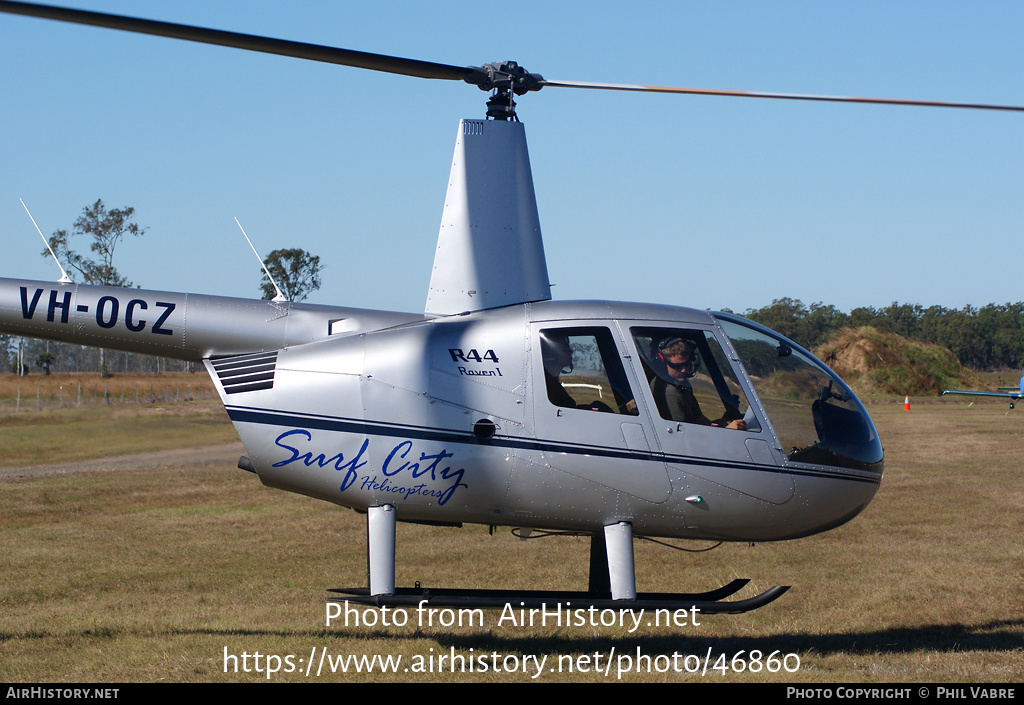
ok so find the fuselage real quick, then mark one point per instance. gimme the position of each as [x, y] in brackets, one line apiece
[457, 419]
[451, 420]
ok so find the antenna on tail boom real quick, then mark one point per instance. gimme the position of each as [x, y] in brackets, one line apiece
[280, 297]
[64, 278]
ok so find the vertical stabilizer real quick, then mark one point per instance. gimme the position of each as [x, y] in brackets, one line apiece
[489, 250]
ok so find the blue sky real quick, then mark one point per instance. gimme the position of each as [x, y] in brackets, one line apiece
[696, 201]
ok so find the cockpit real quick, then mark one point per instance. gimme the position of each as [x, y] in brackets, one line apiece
[755, 382]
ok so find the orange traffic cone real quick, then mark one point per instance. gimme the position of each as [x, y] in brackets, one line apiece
[906, 403]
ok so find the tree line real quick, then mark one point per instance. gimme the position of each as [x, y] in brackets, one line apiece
[45, 356]
[990, 337]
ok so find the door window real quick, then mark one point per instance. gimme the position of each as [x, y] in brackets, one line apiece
[691, 379]
[583, 370]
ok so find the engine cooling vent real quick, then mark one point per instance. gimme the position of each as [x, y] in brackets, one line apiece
[245, 373]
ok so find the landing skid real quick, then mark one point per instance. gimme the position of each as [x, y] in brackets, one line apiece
[612, 584]
[706, 603]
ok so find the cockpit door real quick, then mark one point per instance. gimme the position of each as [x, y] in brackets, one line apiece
[702, 415]
[586, 416]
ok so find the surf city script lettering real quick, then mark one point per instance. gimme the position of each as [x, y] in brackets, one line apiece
[395, 473]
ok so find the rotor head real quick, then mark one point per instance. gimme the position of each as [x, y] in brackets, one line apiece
[503, 79]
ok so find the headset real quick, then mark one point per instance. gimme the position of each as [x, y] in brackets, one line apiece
[666, 343]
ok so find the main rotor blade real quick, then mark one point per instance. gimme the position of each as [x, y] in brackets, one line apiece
[300, 50]
[779, 96]
[479, 76]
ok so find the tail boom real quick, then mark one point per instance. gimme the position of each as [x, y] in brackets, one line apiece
[170, 324]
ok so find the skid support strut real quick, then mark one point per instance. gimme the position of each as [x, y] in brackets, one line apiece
[618, 540]
[380, 549]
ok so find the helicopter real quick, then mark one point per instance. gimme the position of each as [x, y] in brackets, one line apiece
[497, 405]
[1014, 394]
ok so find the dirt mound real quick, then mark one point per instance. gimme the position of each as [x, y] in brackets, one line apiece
[871, 361]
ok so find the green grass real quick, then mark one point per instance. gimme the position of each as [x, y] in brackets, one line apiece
[71, 434]
[148, 575]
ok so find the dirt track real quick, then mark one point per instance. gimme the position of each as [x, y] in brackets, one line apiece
[225, 453]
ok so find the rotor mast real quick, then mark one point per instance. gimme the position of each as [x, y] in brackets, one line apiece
[489, 247]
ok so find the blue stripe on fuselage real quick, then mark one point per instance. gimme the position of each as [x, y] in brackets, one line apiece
[362, 427]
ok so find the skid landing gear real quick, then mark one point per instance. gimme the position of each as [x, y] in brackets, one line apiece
[612, 582]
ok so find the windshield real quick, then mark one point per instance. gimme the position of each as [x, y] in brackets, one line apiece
[817, 417]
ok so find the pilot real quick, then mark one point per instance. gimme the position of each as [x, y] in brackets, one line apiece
[557, 356]
[671, 387]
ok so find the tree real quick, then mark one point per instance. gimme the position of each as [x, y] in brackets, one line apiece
[45, 360]
[106, 229]
[7, 351]
[296, 271]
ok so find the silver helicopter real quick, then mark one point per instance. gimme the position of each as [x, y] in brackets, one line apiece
[496, 405]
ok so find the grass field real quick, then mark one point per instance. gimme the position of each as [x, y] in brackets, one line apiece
[67, 417]
[167, 572]
[70, 390]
